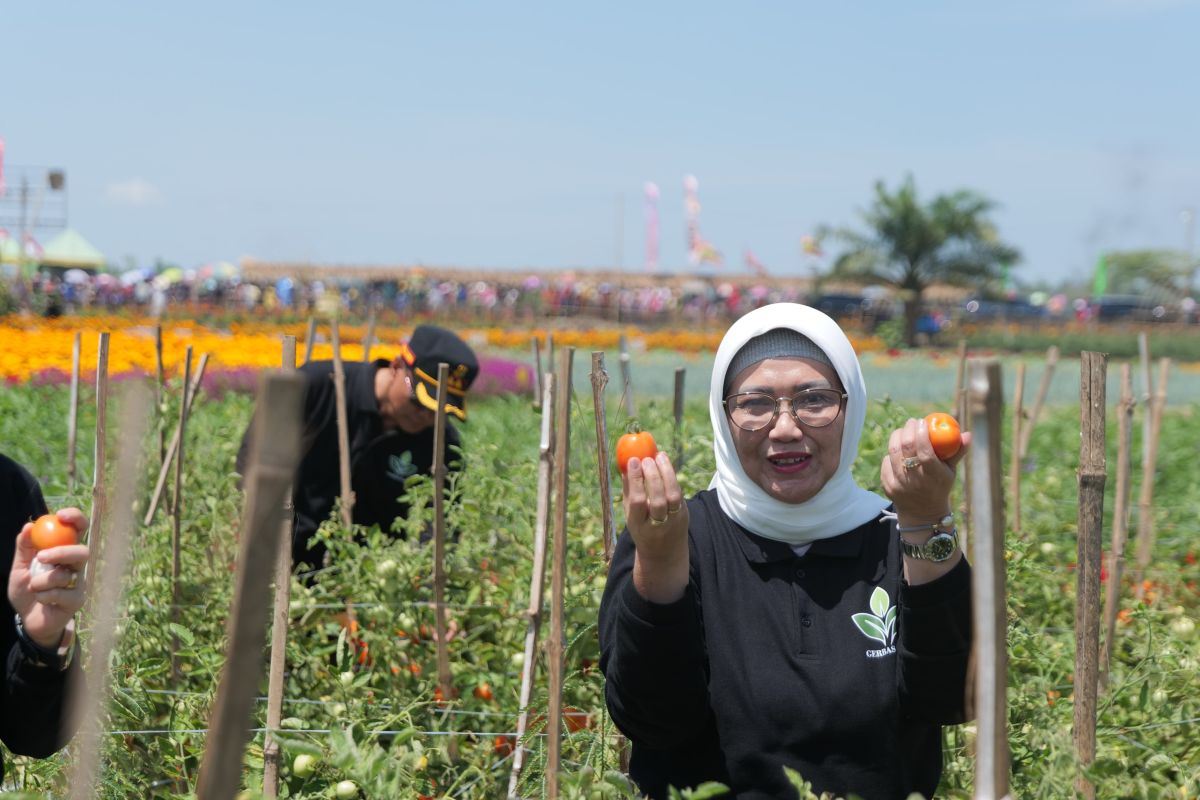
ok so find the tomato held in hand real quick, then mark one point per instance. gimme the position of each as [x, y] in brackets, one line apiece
[50, 531]
[944, 434]
[639, 444]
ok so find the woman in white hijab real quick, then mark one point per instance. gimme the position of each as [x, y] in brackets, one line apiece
[787, 617]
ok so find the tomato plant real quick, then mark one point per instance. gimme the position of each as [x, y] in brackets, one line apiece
[635, 444]
[50, 531]
[944, 434]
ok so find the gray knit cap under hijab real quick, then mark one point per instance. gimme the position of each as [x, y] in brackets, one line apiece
[776, 343]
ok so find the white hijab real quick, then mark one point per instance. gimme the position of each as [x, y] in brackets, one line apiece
[841, 505]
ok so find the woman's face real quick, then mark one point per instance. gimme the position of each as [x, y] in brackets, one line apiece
[790, 461]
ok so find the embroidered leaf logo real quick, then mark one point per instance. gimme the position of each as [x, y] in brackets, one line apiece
[879, 625]
[879, 601]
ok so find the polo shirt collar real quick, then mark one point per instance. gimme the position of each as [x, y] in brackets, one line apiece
[760, 550]
[360, 388]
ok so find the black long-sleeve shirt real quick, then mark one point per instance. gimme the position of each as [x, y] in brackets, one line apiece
[32, 698]
[380, 460]
[827, 663]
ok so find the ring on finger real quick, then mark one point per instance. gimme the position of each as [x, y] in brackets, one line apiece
[673, 511]
[657, 522]
[71, 584]
[912, 462]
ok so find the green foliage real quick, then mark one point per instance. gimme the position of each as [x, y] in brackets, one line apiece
[365, 703]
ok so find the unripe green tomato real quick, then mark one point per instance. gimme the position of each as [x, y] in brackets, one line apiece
[347, 678]
[346, 790]
[517, 659]
[304, 765]
[385, 568]
[1183, 627]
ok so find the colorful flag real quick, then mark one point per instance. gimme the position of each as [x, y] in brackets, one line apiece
[810, 245]
[651, 193]
[754, 264]
[1100, 281]
[699, 251]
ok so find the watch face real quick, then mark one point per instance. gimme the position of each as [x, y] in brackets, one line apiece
[939, 547]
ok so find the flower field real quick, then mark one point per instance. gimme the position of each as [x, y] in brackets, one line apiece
[362, 704]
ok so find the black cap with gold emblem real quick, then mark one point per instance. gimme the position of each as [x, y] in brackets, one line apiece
[430, 346]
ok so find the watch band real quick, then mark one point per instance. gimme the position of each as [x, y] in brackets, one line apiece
[58, 658]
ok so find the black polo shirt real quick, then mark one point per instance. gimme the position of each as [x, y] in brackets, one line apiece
[827, 663]
[32, 699]
[380, 460]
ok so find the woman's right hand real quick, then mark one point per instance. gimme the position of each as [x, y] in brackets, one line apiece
[657, 519]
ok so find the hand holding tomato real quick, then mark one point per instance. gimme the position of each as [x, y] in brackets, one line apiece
[635, 444]
[914, 473]
[48, 597]
[657, 519]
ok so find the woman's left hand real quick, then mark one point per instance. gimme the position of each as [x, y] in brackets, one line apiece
[48, 600]
[916, 480]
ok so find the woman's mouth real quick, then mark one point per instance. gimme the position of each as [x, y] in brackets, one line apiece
[789, 462]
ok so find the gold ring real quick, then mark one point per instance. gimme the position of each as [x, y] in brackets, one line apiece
[656, 522]
[673, 511]
[71, 584]
[912, 462]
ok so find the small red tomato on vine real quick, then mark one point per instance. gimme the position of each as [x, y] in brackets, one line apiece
[484, 691]
[635, 444]
[944, 434]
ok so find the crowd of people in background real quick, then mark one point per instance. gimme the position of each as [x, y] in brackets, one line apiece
[513, 297]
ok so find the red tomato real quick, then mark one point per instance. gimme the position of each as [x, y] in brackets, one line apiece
[944, 434]
[635, 445]
[484, 692]
[49, 531]
[503, 745]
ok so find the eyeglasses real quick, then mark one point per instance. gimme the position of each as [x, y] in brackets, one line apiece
[753, 411]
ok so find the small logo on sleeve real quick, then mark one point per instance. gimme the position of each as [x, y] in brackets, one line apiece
[880, 624]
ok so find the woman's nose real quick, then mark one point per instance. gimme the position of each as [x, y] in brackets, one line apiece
[786, 428]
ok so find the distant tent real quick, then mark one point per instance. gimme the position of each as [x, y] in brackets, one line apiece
[69, 250]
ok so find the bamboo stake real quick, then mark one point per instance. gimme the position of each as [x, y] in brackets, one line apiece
[1093, 473]
[961, 411]
[279, 621]
[989, 655]
[73, 413]
[343, 429]
[87, 702]
[1015, 466]
[558, 570]
[959, 375]
[599, 381]
[1040, 399]
[1147, 392]
[177, 517]
[1145, 533]
[537, 371]
[165, 469]
[158, 393]
[1120, 526]
[680, 372]
[626, 379]
[445, 681]
[99, 481]
[274, 454]
[538, 579]
[370, 337]
[310, 339]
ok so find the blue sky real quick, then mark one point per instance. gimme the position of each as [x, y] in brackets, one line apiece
[520, 135]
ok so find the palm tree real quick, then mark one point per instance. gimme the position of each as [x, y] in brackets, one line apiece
[910, 246]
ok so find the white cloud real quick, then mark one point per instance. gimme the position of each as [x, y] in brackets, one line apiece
[134, 192]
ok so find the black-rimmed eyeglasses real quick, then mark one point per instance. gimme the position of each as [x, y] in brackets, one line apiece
[753, 411]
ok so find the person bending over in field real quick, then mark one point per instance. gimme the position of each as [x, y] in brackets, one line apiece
[390, 413]
[37, 632]
[786, 617]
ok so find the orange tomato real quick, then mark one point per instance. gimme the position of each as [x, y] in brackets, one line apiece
[638, 444]
[483, 691]
[944, 434]
[49, 531]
